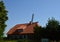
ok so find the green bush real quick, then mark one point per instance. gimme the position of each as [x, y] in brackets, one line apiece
[23, 40]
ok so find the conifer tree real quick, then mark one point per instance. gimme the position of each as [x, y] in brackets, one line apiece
[3, 18]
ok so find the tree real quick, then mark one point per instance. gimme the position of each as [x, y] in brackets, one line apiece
[37, 32]
[52, 24]
[3, 18]
[40, 32]
[52, 27]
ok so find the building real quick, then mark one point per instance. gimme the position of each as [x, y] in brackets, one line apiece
[21, 31]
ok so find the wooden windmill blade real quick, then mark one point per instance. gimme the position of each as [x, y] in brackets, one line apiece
[32, 18]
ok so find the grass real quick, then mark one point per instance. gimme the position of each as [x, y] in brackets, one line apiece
[8, 40]
[20, 40]
[23, 40]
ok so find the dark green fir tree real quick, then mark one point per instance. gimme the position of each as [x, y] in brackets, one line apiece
[3, 18]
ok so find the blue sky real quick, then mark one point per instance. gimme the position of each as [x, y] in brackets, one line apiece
[20, 11]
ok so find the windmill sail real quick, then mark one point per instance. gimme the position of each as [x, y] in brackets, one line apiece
[32, 19]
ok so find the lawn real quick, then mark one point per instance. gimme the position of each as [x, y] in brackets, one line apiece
[8, 40]
[21, 40]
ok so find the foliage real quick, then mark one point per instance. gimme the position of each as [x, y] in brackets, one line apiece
[23, 40]
[52, 24]
[3, 18]
[37, 32]
[52, 29]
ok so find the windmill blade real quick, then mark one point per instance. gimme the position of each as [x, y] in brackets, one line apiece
[32, 18]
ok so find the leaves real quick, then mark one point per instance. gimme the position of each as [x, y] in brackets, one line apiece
[3, 18]
[52, 24]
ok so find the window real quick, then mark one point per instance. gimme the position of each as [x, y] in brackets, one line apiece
[20, 30]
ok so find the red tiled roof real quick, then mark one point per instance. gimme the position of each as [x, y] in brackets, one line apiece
[27, 28]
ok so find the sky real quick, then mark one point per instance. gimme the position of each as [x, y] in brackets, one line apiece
[20, 11]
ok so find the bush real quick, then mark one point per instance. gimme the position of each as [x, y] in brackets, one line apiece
[23, 40]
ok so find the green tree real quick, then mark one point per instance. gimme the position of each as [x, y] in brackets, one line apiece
[37, 32]
[3, 18]
[52, 28]
[52, 24]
